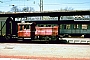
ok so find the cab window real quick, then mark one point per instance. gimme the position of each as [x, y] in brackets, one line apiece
[21, 27]
[26, 27]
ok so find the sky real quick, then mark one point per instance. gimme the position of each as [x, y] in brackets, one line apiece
[48, 5]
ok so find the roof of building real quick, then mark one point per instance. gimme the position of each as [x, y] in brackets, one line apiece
[68, 13]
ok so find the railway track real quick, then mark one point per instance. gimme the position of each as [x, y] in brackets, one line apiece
[78, 40]
[61, 40]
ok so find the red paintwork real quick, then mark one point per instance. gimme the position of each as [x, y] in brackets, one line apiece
[24, 33]
[43, 31]
[46, 31]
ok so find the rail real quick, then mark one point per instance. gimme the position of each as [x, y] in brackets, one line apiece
[77, 40]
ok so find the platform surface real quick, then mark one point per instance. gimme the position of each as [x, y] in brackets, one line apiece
[23, 51]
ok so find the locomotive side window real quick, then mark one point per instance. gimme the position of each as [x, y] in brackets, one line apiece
[48, 25]
[45, 25]
[41, 25]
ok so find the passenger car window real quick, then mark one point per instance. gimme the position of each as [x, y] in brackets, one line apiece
[84, 26]
[76, 26]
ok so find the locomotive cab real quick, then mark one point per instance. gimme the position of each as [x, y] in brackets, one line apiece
[26, 30]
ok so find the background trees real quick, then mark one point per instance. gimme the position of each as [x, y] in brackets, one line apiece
[24, 9]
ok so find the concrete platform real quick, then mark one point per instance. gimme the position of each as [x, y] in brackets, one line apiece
[44, 51]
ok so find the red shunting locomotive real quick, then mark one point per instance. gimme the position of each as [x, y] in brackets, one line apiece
[24, 30]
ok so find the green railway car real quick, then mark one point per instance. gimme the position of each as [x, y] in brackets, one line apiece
[75, 29]
[2, 28]
[3, 25]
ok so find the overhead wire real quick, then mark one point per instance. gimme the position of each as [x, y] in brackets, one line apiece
[24, 1]
[43, 4]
